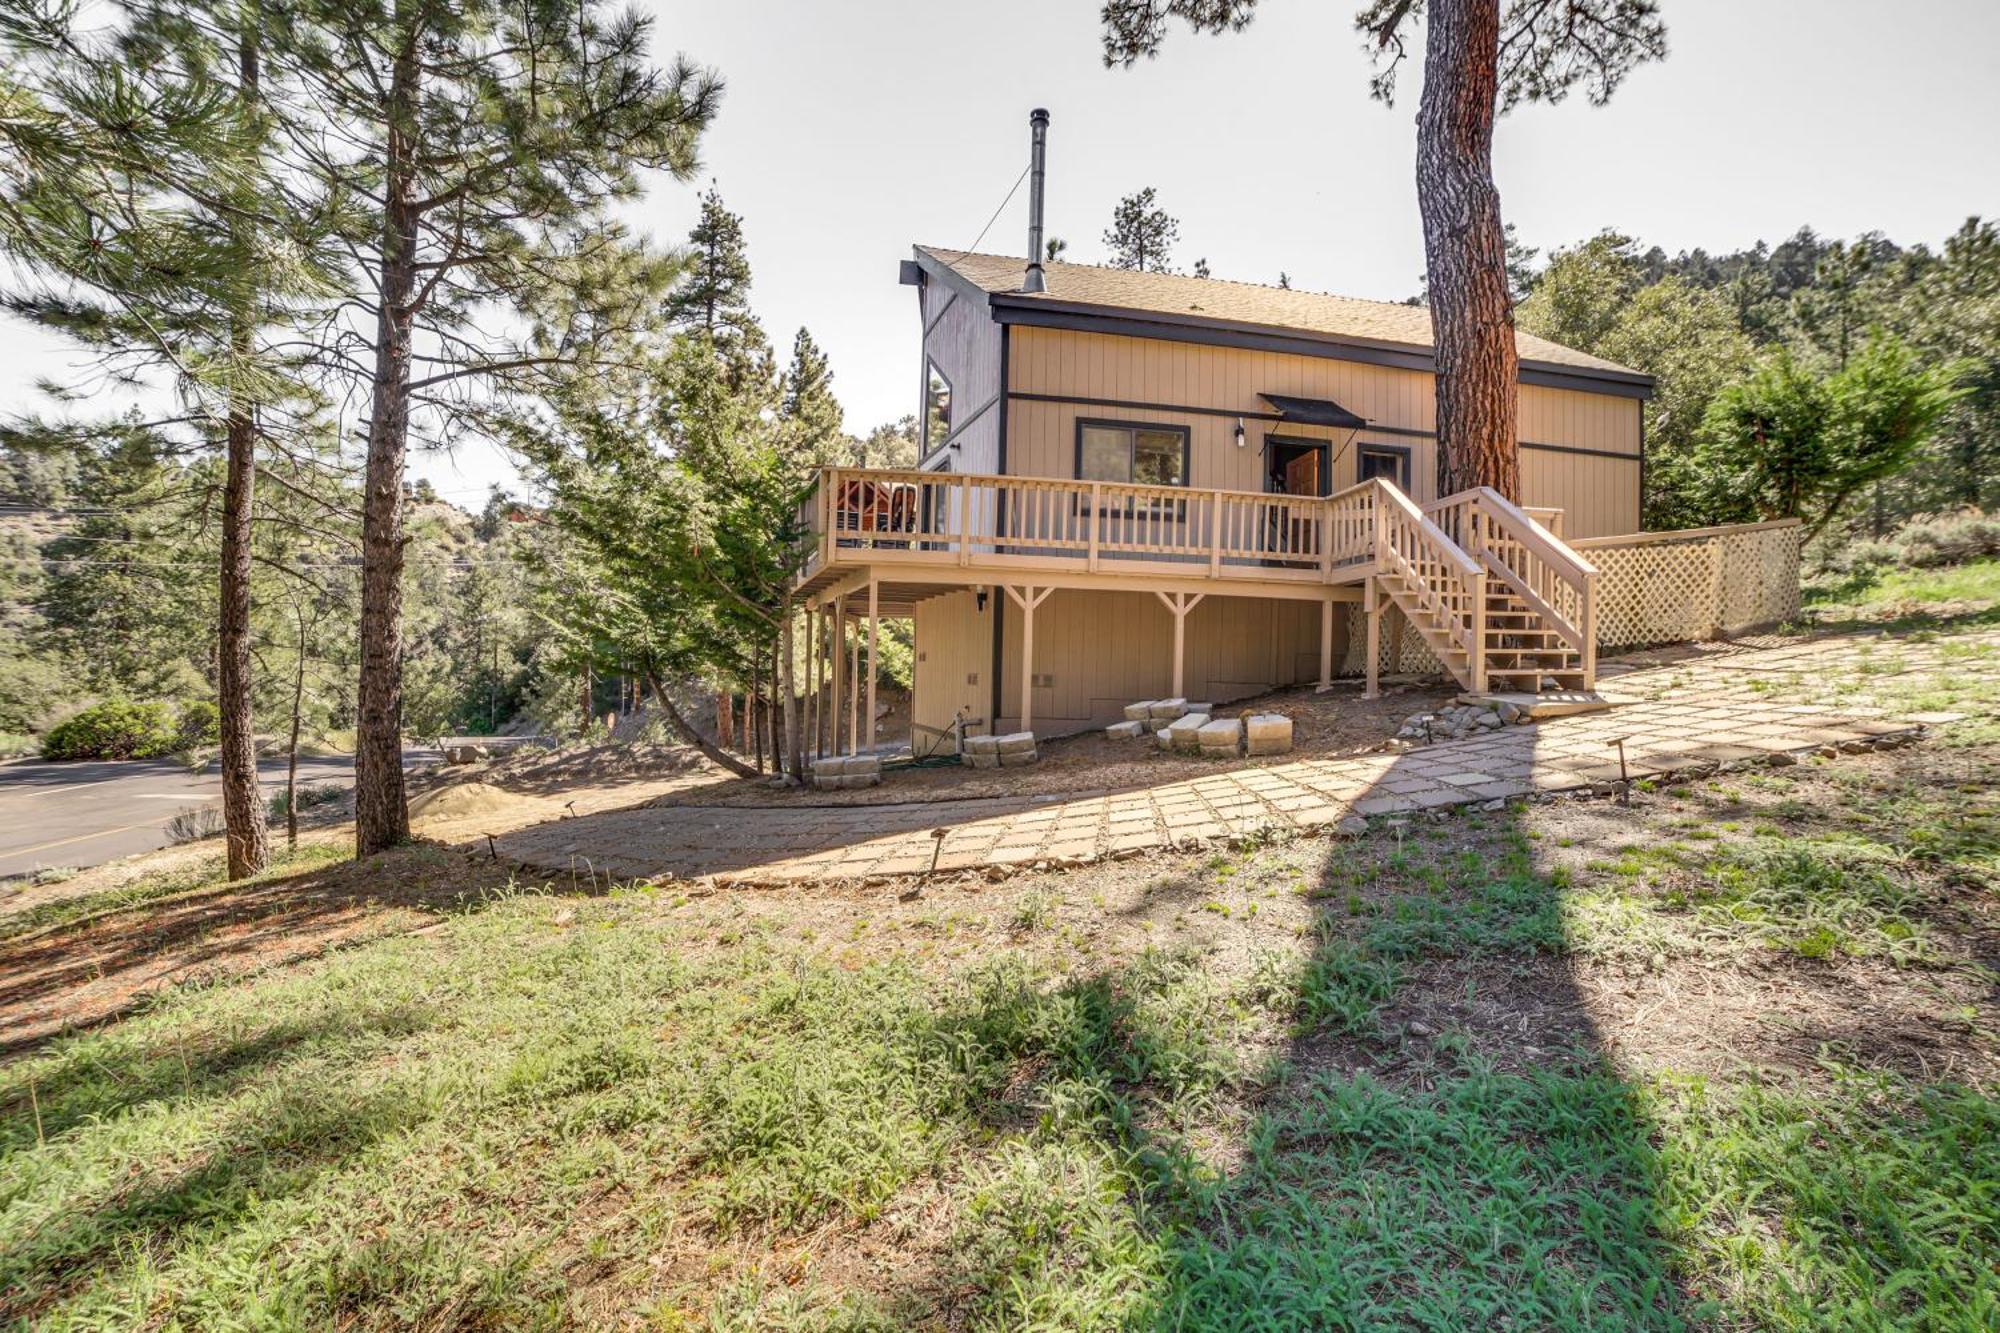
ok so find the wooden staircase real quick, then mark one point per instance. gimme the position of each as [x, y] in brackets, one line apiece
[1501, 601]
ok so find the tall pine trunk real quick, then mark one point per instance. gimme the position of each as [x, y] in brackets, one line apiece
[248, 837]
[1465, 251]
[381, 815]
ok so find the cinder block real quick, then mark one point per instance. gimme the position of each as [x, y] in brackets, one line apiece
[1268, 726]
[1015, 742]
[1168, 708]
[1125, 731]
[1221, 735]
[1139, 712]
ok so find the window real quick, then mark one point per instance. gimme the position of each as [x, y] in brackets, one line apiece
[1146, 455]
[937, 406]
[1390, 462]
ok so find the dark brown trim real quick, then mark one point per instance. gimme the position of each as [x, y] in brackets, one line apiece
[1128, 406]
[1404, 456]
[931, 367]
[950, 300]
[1583, 452]
[958, 430]
[1187, 445]
[999, 600]
[1039, 312]
[961, 284]
[1006, 350]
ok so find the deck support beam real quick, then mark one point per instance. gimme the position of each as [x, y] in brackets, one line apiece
[1372, 604]
[1027, 597]
[1178, 605]
[853, 687]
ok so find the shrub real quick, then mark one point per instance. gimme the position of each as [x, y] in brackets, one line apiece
[114, 729]
[200, 724]
[1951, 539]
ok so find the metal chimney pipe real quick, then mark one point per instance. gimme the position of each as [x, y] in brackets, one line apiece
[1038, 129]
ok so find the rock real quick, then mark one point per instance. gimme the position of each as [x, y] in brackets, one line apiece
[1508, 712]
[980, 745]
[1016, 758]
[979, 759]
[1168, 708]
[1125, 731]
[1015, 742]
[1353, 826]
[1487, 721]
[1139, 712]
[1829, 752]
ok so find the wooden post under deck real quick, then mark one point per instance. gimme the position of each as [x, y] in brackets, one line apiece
[1326, 644]
[874, 663]
[1027, 599]
[1372, 604]
[809, 691]
[1179, 604]
[853, 689]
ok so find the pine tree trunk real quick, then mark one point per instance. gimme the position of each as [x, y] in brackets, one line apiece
[725, 719]
[292, 746]
[248, 837]
[693, 737]
[1465, 251]
[381, 815]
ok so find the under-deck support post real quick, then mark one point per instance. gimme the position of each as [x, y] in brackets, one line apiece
[1178, 605]
[810, 722]
[1372, 604]
[1326, 644]
[874, 662]
[1027, 598]
[854, 689]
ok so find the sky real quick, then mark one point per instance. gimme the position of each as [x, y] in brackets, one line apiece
[852, 129]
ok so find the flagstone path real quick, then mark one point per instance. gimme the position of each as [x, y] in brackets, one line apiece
[1717, 706]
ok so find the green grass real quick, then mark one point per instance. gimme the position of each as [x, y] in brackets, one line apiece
[199, 875]
[553, 1111]
[1905, 591]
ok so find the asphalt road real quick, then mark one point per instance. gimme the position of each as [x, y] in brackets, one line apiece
[79, 814]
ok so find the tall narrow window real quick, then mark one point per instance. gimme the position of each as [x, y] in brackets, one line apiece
[1146, 455]
[937, 406]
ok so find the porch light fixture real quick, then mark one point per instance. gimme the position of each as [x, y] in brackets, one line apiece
[1239, 432]
[979, 598]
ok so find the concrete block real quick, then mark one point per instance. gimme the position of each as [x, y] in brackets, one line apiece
[1015, 742]
[1125, 731]
[1139, 712]
[980, 759]
[1267, 726]
[848, 765]
[850, 781]
[1201, 708]
[1221, 735]
[1168, 708]
[1184, 733]
[1016, 758]
[980, 745]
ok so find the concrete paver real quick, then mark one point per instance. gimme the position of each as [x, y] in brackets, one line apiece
[1723, 706]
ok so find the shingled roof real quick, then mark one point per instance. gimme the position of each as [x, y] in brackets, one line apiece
[1237, 305]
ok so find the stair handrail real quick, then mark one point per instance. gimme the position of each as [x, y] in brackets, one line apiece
[1554, 579]
[1447, 582]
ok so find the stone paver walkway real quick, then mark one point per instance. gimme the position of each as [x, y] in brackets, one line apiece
[1716, 707]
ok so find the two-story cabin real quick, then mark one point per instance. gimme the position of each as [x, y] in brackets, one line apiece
[1139, 485]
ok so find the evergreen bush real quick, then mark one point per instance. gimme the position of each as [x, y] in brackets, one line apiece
[114, 729]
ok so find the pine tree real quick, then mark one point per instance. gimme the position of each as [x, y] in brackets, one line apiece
[809, 414]
[1141, 236]
[713, 293]
[1478, 61]
[483, 145]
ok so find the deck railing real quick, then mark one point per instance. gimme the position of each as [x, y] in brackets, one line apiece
[1448, 585]
[961, 516]
[1546, 573]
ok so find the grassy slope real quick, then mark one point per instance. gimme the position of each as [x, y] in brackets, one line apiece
[713, 1111]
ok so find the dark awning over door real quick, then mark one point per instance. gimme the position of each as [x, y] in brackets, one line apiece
[1314, 411]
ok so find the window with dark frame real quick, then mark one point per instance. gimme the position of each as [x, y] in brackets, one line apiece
[937, 406]
[1141, 455]
[1391, 462]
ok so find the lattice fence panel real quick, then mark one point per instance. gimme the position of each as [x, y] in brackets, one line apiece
[1651, 589]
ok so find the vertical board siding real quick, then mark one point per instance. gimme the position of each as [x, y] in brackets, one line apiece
[954, 659]
[1599, 495]
[1108, 649]
[966, 346]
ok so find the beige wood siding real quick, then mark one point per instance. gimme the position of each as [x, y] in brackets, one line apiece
[965, 343]
[954, 659]
[1103, 650]
[1599, 495]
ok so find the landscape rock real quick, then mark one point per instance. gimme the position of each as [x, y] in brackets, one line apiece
[1015, 742]
[1125, 731]
[1016, 758]
[1169, 709]
[1184, 734]
[1221, 736]
[1139, 712]
[979, 759]
[1268, 733]
[1351, 827]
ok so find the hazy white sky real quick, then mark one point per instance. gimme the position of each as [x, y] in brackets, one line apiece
[853, 128]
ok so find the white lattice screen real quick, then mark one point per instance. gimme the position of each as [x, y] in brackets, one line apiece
[1652, 588]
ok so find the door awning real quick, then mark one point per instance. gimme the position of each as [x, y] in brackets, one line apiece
[1314, 411]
